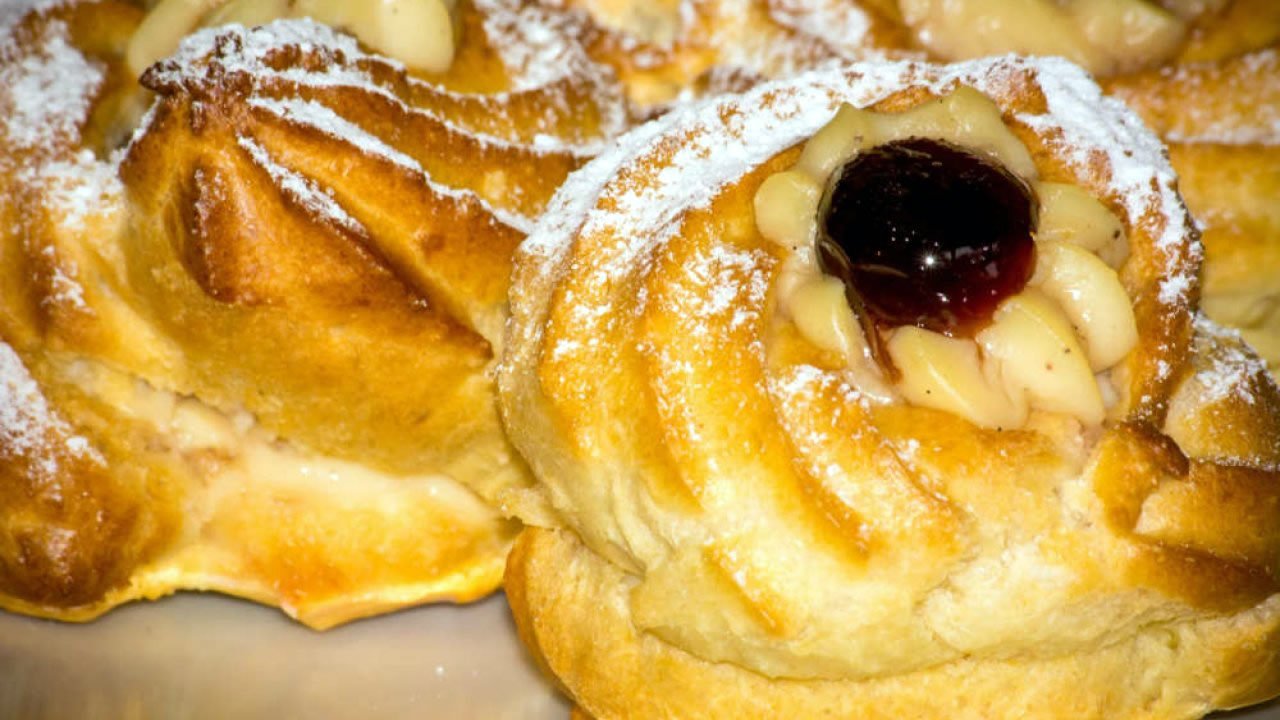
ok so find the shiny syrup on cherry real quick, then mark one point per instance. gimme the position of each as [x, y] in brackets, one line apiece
[925, 233]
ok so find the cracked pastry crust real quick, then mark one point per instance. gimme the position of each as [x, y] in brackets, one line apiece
[246, 339]
[727, 524]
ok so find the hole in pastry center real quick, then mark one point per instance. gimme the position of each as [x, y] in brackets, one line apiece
[925, 233]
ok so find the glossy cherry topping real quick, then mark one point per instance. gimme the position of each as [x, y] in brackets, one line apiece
[925, 233]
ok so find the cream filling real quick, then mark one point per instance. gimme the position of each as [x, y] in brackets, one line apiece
[1105, 36]
[1048, 348]
[422, 34]
[246, 456]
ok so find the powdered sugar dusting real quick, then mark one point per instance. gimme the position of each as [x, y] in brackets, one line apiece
[1232, 369]
[533, 42]
[248, 52]
[27, 423]
[1091, 123]
[251, 56]
[1212, 123]
[253, 46]
[807, 35]
[841, 25]
[12, 11]
[47, 89]
[303, 191]
[807, 380]
[717, 141]
[77, 187]
[66, 291]
[797, 386]
[48, 92]
[720, 270]
[324, 119]
[764, 38]
[541, 48]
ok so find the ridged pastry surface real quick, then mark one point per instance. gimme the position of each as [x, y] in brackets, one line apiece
[754, 528]
[248, 335]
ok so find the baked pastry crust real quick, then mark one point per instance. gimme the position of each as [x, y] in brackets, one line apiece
[718, 532]
[250, 351]
[571, 609]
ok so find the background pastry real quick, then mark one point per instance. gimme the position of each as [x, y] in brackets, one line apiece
[1221, 121]
[247, 337]
[765, 490]
[674, 50]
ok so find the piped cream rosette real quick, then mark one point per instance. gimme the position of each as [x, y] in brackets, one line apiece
[738, 513]
[1043, 346]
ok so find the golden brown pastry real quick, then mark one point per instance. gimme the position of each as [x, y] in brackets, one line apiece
[883, 392]
[246, 341]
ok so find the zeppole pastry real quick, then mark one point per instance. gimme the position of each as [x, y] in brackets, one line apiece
[246, 338]
[883, 392]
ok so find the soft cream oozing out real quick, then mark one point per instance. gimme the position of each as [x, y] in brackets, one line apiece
[420, 33]
[1046, 348]
[1105, 36]
[249, 456]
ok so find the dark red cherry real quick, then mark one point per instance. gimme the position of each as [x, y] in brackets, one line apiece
[925, 233]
